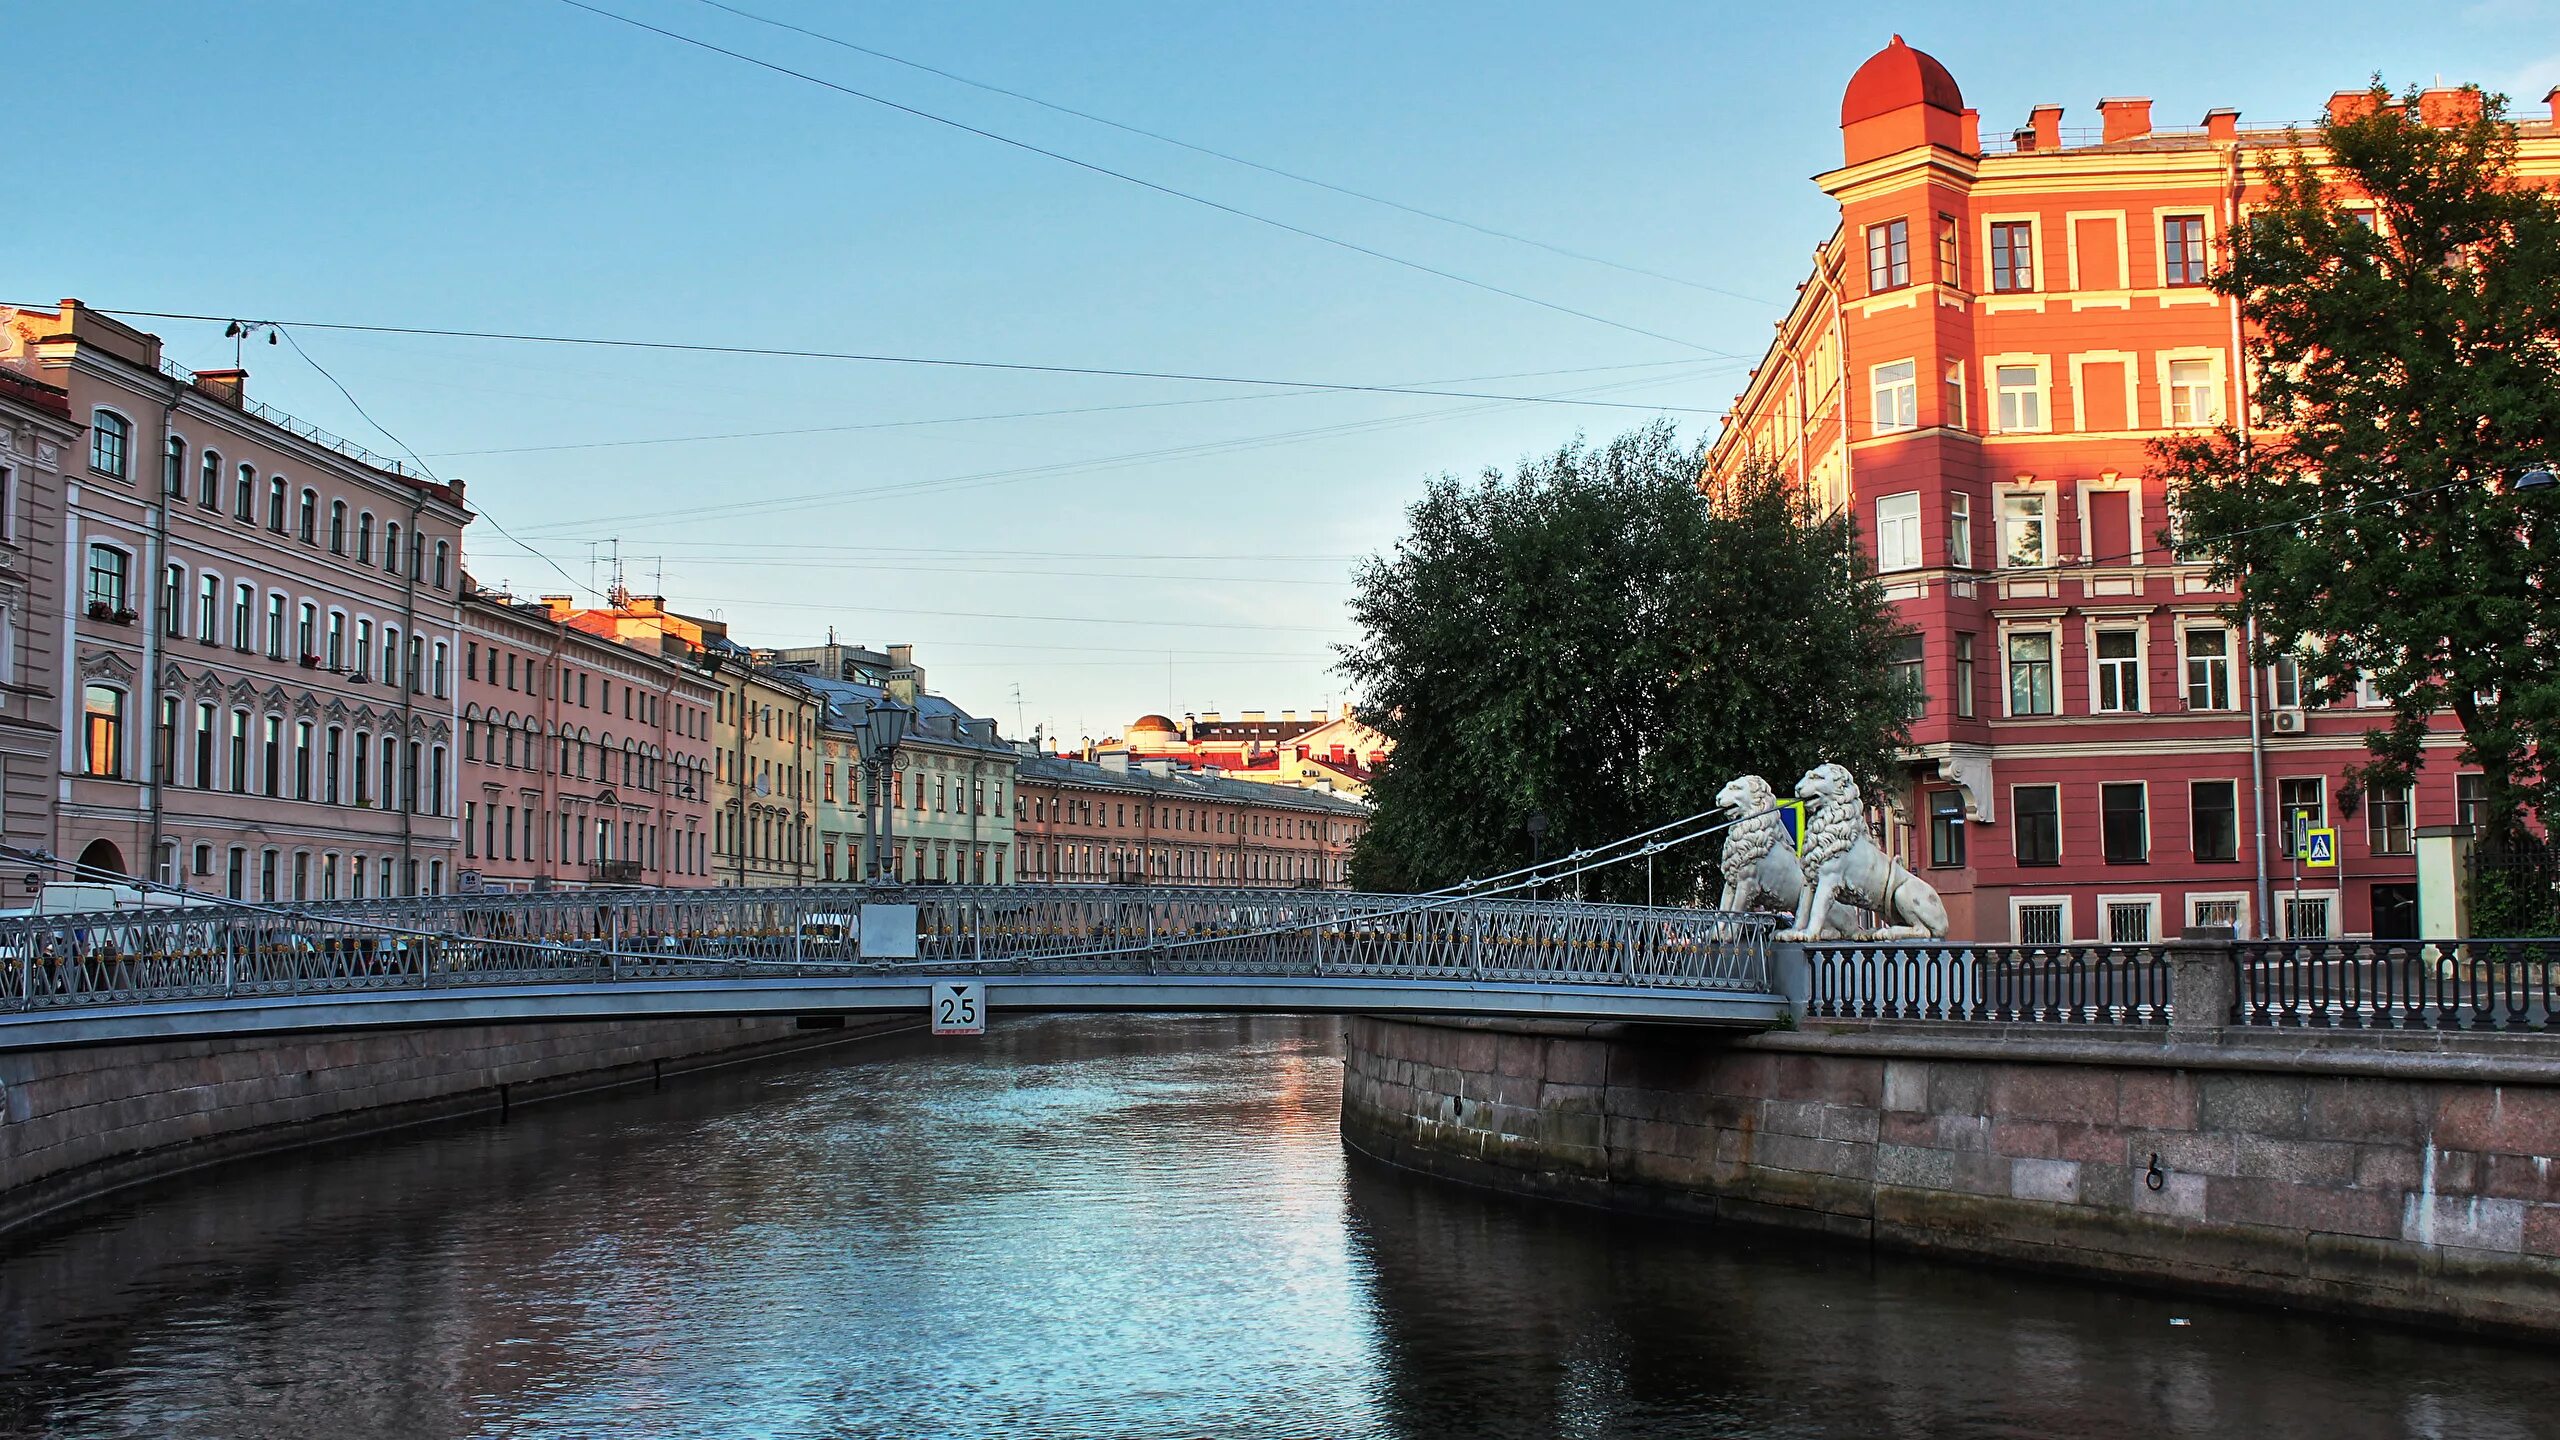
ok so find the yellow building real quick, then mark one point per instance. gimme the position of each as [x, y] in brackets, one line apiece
[764, 776]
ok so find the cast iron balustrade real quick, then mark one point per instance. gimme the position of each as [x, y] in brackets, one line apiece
[2020, 984]
[220, 950]
[2397, 984]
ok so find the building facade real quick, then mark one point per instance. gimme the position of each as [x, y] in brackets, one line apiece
[1976, 368]
[1313, 751]
[945, 811]
[764, 775]
[38, 441]
[258, 633]
[585, 758]
[1106, 822]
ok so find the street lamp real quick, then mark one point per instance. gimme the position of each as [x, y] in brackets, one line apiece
[1537, 827]
[877, 733]
[2537, 478]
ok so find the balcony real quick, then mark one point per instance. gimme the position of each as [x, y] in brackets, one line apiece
[613, 872]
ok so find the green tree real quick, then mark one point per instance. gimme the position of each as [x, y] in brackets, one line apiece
[1594, 639]
[2403, 374]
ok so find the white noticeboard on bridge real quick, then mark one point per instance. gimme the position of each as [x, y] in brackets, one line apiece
[959, 1007]
[888, 932]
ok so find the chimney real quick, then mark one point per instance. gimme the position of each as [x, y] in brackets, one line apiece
[2022, 138]
[1117, 762]
[647, 604]
[2046, 121]
[1253, 717]
[2124, 118]
[2553, 100]
[1969, 132]
[559, 606]
[228, 386]
[1288, 717]
[2345, 105]
[2444, 107]
[2222, 124]
[902, 657]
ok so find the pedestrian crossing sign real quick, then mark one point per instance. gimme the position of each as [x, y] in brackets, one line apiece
[1791, 816]
[2320, 848]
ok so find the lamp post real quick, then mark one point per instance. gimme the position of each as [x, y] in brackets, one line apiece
[882, 726]
[1537, 828]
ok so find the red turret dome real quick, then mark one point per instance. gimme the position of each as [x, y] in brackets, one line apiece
[1897, 76]
[1152, 722]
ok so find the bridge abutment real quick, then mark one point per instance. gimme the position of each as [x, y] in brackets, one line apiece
[2406, 1176]
[79, 1122]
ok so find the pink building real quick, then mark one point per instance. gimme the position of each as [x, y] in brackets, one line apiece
[583, 755]
[259, 628]
[38, 440]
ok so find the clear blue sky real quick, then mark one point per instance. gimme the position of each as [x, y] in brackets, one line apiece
[522, 165]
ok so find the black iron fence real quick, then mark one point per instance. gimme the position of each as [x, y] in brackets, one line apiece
[2028, 984]
[2514, 889]
[2397, 984]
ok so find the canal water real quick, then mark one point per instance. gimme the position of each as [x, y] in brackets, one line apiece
[1089, 1227]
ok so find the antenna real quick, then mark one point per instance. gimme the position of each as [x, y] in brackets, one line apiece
[1017, 708]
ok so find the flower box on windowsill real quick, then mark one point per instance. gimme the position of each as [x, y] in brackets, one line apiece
[310, 662]
[101, 610]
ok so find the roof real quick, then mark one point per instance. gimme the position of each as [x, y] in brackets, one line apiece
[1895, 77]
[938, 721]
[1181, 784]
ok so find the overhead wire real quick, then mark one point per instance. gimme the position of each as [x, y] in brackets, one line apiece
[1234, 159]
[1127, 178]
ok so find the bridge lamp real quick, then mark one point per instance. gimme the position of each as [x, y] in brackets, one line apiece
[1536, 825]
[2537, 478]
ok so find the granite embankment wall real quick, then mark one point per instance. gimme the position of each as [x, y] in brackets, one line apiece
[77, 1123]
[2407, 1176]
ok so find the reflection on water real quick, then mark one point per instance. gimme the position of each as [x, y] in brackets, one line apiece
[1087, 1228]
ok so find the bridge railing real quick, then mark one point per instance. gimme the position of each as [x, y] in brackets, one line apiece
[2013, 984]
[2509, 985]
[229, 950]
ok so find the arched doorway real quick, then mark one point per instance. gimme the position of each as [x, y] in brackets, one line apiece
[101, 859]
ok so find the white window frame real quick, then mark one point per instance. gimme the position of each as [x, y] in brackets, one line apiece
[127, 429]
[1958, 402]
[1898, 532]
[2284, 816]
[2052, 631]
[2018, 903]
[2160, 216]
[2042, 365]
[2239, 802]
[2218, 370]
[1960, 530]
[2039, 255]
[2149, 904]
[2284, 911]
[1909, 389]
[2103, 787]
[2140, 661]
[2240, 898]
[2231, 661]
[2000, 495]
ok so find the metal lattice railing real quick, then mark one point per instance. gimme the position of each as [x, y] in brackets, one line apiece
[229, 950]
[2026, 984]
[2397, 984]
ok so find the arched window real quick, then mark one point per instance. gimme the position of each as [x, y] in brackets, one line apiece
[306, 634]
[173, 474]
[111, 445]
[364, 538]
[244, 494]
[275, 503]
[338, 527]
[391, 546]
[307, 522]
[209, 481]
[102, 731]
[444, 561]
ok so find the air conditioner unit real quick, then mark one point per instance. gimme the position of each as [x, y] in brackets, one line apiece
[2291, 722]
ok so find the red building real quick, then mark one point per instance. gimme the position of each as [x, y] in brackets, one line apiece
[1976, 366]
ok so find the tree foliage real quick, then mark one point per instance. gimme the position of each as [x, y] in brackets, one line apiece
[1595, 639]
[2406, 372]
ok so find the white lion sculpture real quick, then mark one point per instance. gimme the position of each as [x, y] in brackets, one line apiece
[1848, 869]
[1760, 865]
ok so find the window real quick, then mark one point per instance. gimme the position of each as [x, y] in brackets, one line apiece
[391, 546]
[111, 445]
[271, 755]
[364, 538]
[307, 520]
[275, 627]
[2036, 820]
[209, 481]
[1954, 414]
[2182, 250]
[2208, 668]
[2306, 917]
[306, 636]
[173, 470]
[1908, 673]
[1898, 532]
[338, 527]
[2019, 395]
[209, 608]
[302, 760]
[2119, 660]
[1897, 396]
[102, 731]
[444, 562]
[107, 571]
[2013, 256]
[2124, 821]
[2213, 819]
[2284, 681]
[2386, 820]
[1960, 531]
[1946, 829]
[2303, 802]
[173, 600]
[2226, 912]
[275, 503]
[1889, 255]
[2129, 921]
[2031, 672]
[335, 658]
[1950, 266]
[1964, 676]
[2195, 393]
[2471, 801]
[331, 746]
[239, 756]
[244, 494]
[2023, 535]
